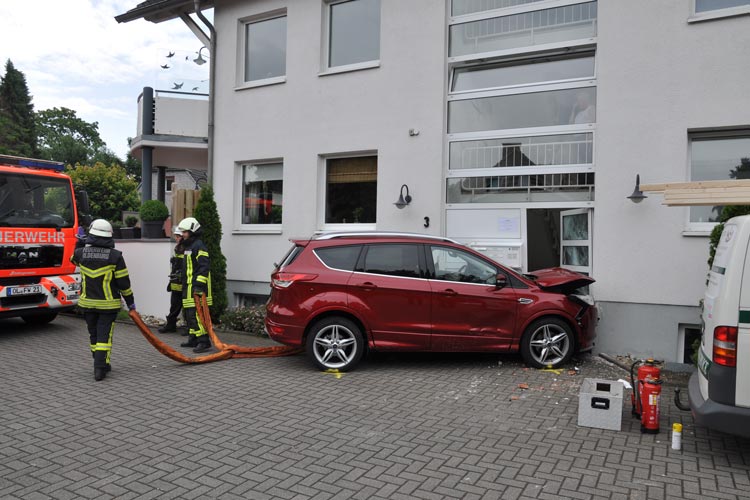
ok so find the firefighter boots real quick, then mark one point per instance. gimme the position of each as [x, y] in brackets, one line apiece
[203, 346]
[99, 373]
[167, 328]
[192, 341]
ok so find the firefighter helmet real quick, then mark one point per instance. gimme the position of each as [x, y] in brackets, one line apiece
[101, 227]
[189, 224]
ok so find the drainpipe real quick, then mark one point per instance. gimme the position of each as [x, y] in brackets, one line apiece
[211, 90]
[147, 129]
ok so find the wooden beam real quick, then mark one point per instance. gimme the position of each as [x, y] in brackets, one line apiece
[655, 188]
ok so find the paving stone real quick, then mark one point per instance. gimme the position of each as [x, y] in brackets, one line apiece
[401, 426]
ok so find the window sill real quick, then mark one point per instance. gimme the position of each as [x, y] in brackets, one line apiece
[270, 229]
[695, 232]
[261, 83]
[350, 67]
[719, 14]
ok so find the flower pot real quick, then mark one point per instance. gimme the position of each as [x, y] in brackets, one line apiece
[152, 228]
[129, 233]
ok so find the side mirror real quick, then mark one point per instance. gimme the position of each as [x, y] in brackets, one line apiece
[501, 281]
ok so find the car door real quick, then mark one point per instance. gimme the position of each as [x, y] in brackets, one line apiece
[389, 291]
[469, 312]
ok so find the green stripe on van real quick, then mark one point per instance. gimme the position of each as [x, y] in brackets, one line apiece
[744, 316]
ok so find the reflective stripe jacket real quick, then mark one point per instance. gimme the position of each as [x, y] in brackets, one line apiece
[105, 278]
[196, 274]
[175, 276]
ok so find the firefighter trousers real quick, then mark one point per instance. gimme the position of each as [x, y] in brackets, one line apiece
[175, 306]
[101, 326]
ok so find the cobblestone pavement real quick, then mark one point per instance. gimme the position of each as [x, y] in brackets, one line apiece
[399, 427]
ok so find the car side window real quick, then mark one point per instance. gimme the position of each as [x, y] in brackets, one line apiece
[452, 264]
[392, 259]
[343, 258]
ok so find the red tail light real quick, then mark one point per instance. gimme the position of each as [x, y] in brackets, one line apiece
[725, 345]
[285, 280]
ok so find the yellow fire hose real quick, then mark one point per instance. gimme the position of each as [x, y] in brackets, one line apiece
[226, 351]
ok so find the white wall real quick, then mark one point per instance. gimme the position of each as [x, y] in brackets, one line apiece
[312, 115]
[658, 77]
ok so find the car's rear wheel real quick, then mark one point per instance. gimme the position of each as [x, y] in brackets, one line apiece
[547, 343]
[335, 343]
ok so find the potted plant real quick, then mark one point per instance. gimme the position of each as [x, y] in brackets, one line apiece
[153, 214]
[130, 231]
[117, 229]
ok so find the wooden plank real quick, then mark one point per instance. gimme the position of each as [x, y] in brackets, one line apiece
[736, 183]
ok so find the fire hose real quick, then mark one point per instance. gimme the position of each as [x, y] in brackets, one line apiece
[226, 351]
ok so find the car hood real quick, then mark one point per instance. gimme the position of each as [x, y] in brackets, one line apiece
[559, 280]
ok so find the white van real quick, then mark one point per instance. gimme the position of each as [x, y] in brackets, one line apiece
[719, 391]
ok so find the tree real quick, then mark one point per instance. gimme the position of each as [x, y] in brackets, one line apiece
[133, 167]
[109, 188]
[65, 137]
[208, 216]
[17, 126]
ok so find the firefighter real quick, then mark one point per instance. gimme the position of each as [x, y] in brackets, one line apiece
[196, 280]
[105, 281]
[174, 287]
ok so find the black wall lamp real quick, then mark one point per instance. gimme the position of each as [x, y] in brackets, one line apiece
[637, 195]
[403, 200]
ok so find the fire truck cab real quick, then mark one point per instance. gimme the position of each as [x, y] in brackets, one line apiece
[39, 221]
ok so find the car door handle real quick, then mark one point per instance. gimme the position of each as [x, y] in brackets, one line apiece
[525, 301]
[449, 292]
[367, 285]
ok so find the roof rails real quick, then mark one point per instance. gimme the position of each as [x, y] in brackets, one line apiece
[19, 161]
[377, 234]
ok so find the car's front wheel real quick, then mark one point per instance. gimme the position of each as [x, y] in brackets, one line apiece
[335, 343]
[547, 343]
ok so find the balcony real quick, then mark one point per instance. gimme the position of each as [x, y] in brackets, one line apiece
[174, 126]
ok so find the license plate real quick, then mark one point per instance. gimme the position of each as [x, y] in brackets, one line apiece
[24, 290]
[704, 364]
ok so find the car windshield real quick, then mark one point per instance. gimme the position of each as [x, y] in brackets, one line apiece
[35, 201]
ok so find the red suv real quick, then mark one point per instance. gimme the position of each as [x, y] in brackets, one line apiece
[341, 294]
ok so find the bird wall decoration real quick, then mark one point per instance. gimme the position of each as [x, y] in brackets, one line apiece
[165, 66]
[170, 54]
[177, 85]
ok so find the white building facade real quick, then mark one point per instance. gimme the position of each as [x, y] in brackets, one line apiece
[517, 126]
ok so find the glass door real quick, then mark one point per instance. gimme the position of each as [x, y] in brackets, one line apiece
[575, 240]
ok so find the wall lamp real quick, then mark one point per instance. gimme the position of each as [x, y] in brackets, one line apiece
[637, 195]
[199, 60]
[403, 200]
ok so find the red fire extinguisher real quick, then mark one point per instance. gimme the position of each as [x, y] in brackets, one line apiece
[646, 394]
[650, 392]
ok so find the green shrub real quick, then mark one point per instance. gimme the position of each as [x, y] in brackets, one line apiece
[154, 210]
[131, 220]
[245, 319]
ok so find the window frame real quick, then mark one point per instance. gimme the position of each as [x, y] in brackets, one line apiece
[239, 195]
[322, 192]
[511, 11]
[710, 15]
[325, 52]
[242, 24]
[705, 228]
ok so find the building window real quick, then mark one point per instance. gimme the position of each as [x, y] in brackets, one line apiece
[544, 151]
[265, 49]
[462, 7]
[533, 109]
[527, 29]
[526, 72]
[168, 183]
[563, 187]
[353, 32]
[262, 193]
[717, 156]
[351, 190]
[712, 5]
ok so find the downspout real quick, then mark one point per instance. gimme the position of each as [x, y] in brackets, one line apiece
[211, 90]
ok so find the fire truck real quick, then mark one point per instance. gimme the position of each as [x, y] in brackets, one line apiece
[40, 213]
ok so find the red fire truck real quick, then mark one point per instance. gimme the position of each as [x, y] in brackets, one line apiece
[39, 220]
